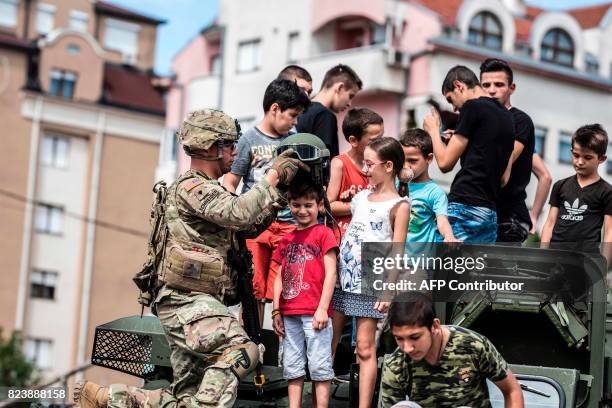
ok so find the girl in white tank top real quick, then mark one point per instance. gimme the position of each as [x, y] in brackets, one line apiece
[378, 215]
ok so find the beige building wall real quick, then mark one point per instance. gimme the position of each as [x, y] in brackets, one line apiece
[147, 36]
[61, 17]
[125, 196]
[86, 64]
[14, 156]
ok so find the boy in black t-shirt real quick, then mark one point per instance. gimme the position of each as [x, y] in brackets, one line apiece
[483, 140]
[339, 87]
[514, 221]
[581, 204]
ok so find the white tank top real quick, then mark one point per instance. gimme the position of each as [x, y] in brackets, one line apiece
[370, 223]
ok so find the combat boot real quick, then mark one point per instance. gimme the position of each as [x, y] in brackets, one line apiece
[90, 395]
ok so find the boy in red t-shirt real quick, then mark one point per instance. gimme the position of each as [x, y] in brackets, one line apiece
[302, 296]
[360, 125]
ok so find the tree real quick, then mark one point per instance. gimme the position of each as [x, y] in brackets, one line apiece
[15, 368]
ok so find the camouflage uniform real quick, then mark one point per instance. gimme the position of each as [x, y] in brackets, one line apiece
[210, 350]
[458, 379]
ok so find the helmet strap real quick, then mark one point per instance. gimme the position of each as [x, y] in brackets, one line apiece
[198, 156]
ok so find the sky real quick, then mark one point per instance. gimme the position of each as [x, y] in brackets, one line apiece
[185, 18]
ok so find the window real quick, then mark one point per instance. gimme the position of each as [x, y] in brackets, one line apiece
[78, 20]
[293, 47]
[565, 147]
[42, 284]
[55, 151]
[379, 34]
[591, 64]
[123, 37]
[39, 352]
[49, 219]
[44, 18]
[485, 31]
[558, 48]
[540, 141]
[8, 13]
[249, 56]
[215, 65]
[62, 83]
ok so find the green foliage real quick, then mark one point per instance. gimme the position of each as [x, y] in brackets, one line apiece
[15, 369]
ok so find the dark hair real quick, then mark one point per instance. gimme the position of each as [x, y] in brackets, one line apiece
[412, 309]
[389, 149]
[357, 120]
[286, 94]
[496, 65]
[291, 72]
[417, 138]
[305, 190]
[462, 74]
[592, 137]
[341, 73]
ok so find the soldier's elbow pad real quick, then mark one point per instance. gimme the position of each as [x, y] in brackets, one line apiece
[243, 359]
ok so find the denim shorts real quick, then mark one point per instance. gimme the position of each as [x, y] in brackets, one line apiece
[304, 345]
[473, 224]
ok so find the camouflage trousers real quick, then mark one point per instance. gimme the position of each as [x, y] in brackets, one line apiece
[204, 338]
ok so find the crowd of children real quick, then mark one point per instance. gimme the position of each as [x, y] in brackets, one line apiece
[312, 273]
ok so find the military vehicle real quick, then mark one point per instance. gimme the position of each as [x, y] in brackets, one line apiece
[556, 333]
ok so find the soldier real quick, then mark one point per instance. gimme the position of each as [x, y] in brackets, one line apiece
[210, 350]
[440, 366]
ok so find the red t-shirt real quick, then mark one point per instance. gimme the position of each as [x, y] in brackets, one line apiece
[300, 254]
[352, 177]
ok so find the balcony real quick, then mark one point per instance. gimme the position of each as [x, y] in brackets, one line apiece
[379, 67]
[203, 92]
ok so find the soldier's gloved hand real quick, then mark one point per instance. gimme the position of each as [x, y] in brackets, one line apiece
[287, 166]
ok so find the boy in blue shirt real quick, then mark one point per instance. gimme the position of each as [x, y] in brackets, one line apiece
[428, 202]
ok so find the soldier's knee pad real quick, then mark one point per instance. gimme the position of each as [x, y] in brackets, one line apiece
[242, 358]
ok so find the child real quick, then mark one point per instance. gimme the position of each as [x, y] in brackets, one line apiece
[302, 296]
[360, 126]
[283, 102]
[581, 204]
[379, 215]
[482, 142]
[299, 75]
[339, 87]
[428, 221]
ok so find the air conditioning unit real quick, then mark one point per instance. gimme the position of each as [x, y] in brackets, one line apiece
[397, 58]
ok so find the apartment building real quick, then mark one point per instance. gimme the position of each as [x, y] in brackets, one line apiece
[402, 50]
[82, 118]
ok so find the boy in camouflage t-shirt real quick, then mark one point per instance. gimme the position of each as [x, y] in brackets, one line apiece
[441, 366]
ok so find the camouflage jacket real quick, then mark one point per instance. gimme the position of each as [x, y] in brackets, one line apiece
[200, 211]
[458, 379]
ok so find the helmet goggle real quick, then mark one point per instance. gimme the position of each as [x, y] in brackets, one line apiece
[305, 152]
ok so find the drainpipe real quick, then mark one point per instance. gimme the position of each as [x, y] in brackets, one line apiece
[24, 265]
[90, 239]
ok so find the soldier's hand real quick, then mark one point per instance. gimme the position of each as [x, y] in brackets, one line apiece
[287, 166]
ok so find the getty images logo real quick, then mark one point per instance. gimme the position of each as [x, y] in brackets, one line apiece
[574, 211]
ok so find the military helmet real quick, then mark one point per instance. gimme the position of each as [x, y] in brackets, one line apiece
[312, 151]
[202, 128]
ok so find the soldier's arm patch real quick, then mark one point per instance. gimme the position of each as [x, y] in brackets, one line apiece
[190, 184]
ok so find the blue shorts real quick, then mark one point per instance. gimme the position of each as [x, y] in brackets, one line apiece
[317, 353]
[475, 225]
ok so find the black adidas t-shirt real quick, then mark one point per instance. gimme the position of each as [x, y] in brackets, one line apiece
[512, 197]
[581, 210]
[321, 122]
[489, 128]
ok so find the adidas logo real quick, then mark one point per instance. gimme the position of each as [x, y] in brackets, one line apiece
[574, 211]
